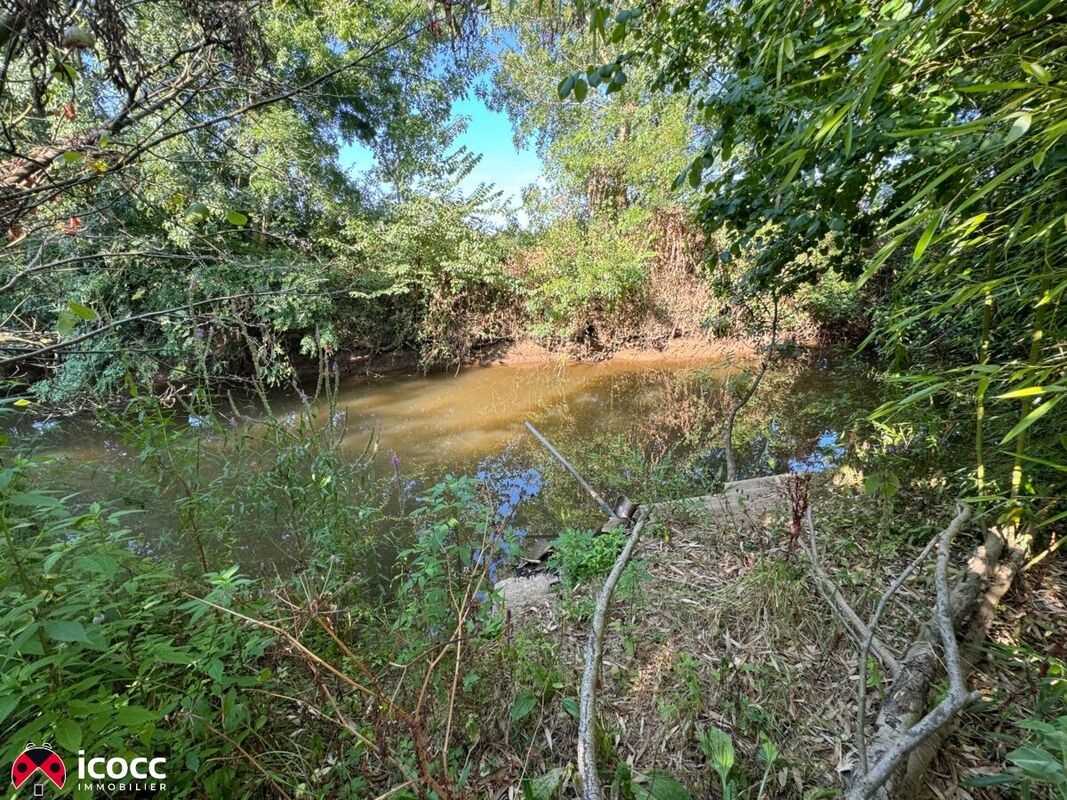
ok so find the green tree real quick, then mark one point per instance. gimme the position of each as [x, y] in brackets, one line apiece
[929, 138]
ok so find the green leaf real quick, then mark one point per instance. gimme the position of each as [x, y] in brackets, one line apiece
[1020, 126]
[1037, 764]
[1041, 73]
[880, 257]
[565, 86]
[22, 402]
[522, 706]
[581, 89]
[718, 747]
[236, 218]
[8, 704]
[68, 734]
[34, 500]
[81, 311]
[1030, 419]
[660, 786]
[926, 238]
[570, 706]
[167, 654]
[72, 157]
[831, 123]
[66, 631]
[1030, 391]
[197, 213]
[135, 716]
[544, 787]
[797, 158]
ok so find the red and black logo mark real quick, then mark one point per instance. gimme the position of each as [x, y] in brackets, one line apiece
[36, 758]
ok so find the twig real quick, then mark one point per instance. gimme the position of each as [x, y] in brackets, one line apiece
[836, 600]
[594, 654]
[248, 756]
[728, 433]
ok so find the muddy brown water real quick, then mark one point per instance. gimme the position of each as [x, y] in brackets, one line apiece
[470, 422]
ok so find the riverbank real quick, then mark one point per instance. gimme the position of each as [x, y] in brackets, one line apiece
[530, 352]
[717, 635]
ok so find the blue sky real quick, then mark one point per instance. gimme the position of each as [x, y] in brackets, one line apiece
[489, 134]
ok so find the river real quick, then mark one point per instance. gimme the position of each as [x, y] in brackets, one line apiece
[653, 427]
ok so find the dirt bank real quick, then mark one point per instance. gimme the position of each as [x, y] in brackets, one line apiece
[530, 351]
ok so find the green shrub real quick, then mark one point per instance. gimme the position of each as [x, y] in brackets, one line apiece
[104, 650]
[830, 300]
[583, 554]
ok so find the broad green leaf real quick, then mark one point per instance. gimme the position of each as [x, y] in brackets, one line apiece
[66, 631]
[565, 86]
[1041, 73]
[545, 787]
[581, 89]
[660, 786]
[68, 734]
[1037, 764]
[718, 747]
[236, 218]
[135, 716]
[522, 706]
[197, 213]
[570, 706]
[1020, 126]
[81, 311]
[72, 157]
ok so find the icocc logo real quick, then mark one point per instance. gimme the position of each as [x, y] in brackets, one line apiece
[39, 765]
[118, 768]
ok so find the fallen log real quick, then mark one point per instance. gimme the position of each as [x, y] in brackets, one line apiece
[906, 736]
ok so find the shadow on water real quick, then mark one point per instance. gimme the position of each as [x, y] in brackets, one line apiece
[647, 431]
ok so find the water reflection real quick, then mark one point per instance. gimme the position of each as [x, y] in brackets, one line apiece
[622, 420]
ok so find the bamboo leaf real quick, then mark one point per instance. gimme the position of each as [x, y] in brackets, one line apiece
[926, 238]
[1020, 126]
[1029, 420]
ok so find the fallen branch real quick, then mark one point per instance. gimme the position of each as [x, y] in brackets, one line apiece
[1002, 575]
[594, 653]
[856, 628]
[962, 515]
[573, 471]
[900, 747]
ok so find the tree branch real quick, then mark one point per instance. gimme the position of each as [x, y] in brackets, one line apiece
[594, 654]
